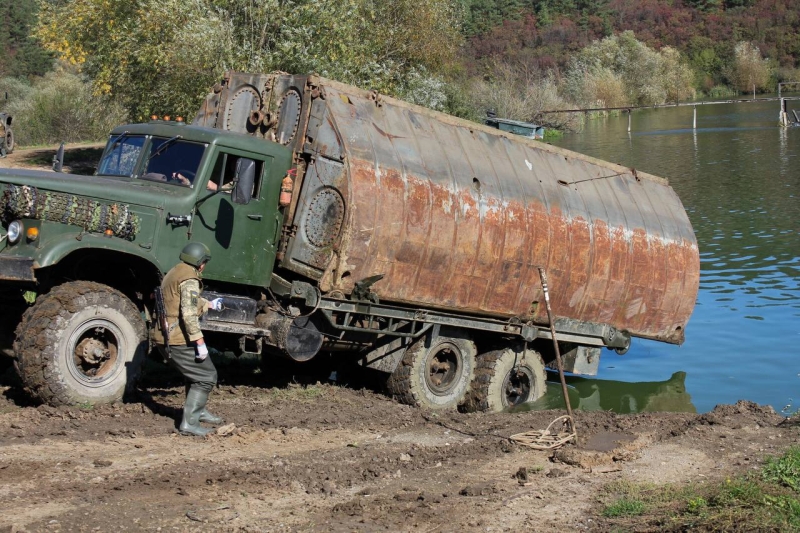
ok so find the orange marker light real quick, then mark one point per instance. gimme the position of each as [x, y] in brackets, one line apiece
[153, 117]
[167, 117]
[178, 119]
[32, 234]
[109, 233]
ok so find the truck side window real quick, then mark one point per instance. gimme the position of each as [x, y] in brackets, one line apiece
[225, 171]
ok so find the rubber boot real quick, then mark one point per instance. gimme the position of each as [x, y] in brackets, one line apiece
[206, 416]
[209, 418]
[195, 402]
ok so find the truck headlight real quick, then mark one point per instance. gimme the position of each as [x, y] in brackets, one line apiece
[14, 231]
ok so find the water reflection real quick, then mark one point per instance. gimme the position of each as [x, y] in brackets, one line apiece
[738, 175]
[618, 396]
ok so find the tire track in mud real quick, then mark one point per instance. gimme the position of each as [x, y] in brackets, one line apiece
[340, 460]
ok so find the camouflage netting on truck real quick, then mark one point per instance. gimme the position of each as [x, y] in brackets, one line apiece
[93, 216]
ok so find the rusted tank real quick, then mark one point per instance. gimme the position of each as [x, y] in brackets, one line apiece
[458, 216]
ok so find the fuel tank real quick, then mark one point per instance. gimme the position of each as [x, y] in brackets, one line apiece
[458, 216]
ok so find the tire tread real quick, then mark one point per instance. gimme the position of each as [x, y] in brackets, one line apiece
[40, 329]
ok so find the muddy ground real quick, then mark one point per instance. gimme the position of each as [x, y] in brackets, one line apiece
[331, 457]
[307, 454]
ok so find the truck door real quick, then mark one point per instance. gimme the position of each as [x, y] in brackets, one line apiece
[241, 237]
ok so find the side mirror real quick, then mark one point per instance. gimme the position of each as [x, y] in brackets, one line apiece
[243, 181]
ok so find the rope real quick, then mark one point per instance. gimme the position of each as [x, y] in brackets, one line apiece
[547, 439]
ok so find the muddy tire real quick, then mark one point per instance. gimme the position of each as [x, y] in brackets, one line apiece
[435, 374]
[9, 140]
[503, 379]
[81, 343]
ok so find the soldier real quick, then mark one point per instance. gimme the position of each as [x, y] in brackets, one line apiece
[188, 352]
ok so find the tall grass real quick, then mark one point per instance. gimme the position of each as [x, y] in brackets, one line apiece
[58, 107]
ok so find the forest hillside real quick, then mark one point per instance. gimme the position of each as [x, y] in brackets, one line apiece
[516, 57]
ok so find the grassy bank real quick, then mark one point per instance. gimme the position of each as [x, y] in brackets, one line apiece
[764, 500]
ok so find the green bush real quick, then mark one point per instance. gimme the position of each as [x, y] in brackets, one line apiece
[624, 507]
[784, 470]
[721, 91]
[15, 88]
[696, 505]
[59, 107]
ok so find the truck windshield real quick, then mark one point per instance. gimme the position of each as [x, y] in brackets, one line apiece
[173, 161]
[121, 156]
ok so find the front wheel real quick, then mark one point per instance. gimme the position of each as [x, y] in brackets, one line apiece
[504, 378]
[81, 343]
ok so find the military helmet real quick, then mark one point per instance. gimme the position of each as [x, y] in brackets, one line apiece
[195, 254]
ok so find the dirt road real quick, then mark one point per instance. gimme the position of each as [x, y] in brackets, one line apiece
[325, 457]
[78, 159]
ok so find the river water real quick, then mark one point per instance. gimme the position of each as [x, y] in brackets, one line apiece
[738, 176]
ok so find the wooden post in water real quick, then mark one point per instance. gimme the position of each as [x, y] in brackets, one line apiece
[782, 118]
[694, 118]
[629, 120]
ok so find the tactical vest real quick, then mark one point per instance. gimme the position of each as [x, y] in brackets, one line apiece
[171, 289]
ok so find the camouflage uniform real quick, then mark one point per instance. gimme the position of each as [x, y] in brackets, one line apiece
[184, 306]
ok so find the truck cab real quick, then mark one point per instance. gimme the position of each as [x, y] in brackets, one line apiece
[220, 190]
[79, 242]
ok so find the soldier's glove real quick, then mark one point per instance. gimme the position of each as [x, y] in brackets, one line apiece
[202, 352]
[215, 304]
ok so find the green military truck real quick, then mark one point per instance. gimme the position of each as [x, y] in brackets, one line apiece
[344, 222]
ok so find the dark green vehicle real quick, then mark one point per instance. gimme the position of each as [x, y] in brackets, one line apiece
[6, 134]
[342, 222]
[94, 247]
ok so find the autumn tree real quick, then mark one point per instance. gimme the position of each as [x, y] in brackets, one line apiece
[522, 92]
[621, 70]
[162, 55]
[750, 71]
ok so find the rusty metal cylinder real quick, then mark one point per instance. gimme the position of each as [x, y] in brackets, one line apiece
[296, 338]
[458, 216]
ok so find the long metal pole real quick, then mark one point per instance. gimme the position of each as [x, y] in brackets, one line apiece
[694, 119]
[543, 275]
[659, 106]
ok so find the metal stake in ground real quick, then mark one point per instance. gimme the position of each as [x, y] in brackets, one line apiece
[570, 422]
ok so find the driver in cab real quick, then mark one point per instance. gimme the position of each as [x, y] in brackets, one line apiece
[211, 186]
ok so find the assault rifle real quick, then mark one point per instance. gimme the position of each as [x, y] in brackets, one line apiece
[163, 325]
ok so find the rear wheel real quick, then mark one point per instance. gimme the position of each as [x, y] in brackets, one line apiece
[9, 140]
[435, 374]
[82, 343]
[504, 378]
